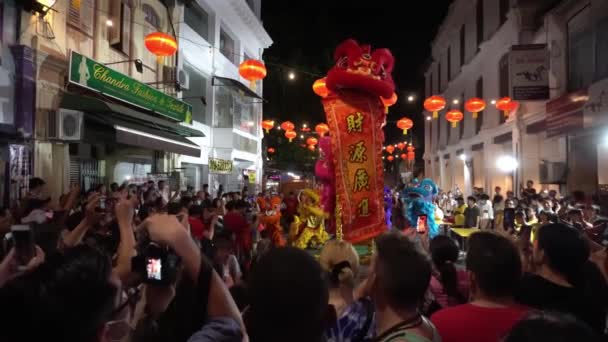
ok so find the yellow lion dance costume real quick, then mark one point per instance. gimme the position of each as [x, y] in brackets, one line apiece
[308, 227]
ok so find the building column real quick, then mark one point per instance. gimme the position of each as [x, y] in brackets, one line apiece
[25, 89]
[467, 166]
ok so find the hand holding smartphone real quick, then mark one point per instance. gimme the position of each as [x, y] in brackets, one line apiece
[23, 239]
[421, 225]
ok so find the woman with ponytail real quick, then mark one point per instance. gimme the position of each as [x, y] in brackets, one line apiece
[565, 280]
[354, 316]
[449, 284]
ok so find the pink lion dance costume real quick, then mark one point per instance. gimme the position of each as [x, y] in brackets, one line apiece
[324, 170]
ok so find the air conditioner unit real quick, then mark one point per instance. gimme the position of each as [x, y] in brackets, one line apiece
[65, 124]
[183, 79]
[553, 173]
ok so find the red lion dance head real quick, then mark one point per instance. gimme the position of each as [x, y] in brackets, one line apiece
[357, 67]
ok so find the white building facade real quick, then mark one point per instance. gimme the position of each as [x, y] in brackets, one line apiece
[556, 140]
[215, 37]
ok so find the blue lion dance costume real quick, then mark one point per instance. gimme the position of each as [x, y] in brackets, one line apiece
[417, 200]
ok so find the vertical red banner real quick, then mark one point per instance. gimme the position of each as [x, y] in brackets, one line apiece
[355, 122]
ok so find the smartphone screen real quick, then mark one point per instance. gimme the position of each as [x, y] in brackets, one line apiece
[154, 269]
[421, 224]
[24, 243]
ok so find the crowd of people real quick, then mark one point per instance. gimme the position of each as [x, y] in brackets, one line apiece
[144, 263]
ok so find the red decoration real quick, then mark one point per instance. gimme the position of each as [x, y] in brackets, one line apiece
[401, 146]
[454, 116]
[287, 126]
[312, 141]
[271, 150]
[475, 105]
[390, 158]
[390, 149]
[290, 135]
[322, 129]
[504, 104]
[434, 104]
[403, 156]
[405, 124]
[267, 125]
[511, 108]
[411, 155]
[320, 88]
[252, 70]
[388, 102]
[305, 129]
[311, 147]
[161, 44]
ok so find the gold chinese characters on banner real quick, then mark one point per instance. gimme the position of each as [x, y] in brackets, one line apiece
[220, 166]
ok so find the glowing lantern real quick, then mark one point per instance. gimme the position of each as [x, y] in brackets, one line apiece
[267, 125]
[312, 141]
[271, 150]
[401, 146]
[287, 126]
[434, 104]
[405, 124]
[511, 107]
[305, 129]
[290, 135]
[403, 156]
[389, 102]
[322, 129]
[390, 149]
[252, 70]
[475, 105]
[411, 155]
[454, 116]
[390, 158]
[504, 104]
[320, 88]
[311, 147]
[160, 44]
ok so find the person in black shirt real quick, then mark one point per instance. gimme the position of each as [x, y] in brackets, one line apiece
[529, 191]
[565, 280]
[471, 213]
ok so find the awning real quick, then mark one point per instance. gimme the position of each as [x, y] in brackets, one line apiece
[218, 81]
[136, 128]
[90, 104]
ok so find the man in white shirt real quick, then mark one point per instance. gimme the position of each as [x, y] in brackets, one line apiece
[486, 212]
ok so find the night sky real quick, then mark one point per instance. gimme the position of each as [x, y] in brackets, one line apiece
[305, 34]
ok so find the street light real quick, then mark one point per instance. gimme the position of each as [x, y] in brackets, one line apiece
[463, 157]
[493, 102]
[109, 23]
[410, 98]
[455, 101]
[506, 164]
[428, 118]
[291, 76]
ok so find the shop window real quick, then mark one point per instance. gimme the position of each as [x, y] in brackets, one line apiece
[80, 14]
[234, 110]
[503, 86]
[580, 50]
[479, 94]
[197, 90]
[119, 33]
[245, 144]
[479, 21]
[198, 19]
[463, 47]
[228, 47]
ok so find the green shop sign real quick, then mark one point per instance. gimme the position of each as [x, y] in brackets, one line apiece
[220, 166]
[93, 75]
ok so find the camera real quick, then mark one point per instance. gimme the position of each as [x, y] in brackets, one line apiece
[155, 263]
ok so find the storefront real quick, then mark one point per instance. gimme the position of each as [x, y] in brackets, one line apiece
[119, 129]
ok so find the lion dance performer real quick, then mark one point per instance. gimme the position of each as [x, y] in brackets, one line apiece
[355, 116]
[308, 227]
[417, 198]
[271, 222]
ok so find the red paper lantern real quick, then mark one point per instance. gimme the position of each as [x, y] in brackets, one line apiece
[305, 129]
[434, 104]
[160, 44]
[320, 88]
[288, 126]
[390, 149]
[252, 70]
[311, 147]
[290, 135]
[312, 141]
[322, 129]
[403, 156]
[389, 102]
[475, 105]
[271, 150]
[511, 108]
[401, 146]
[390, 158]
[411, 155]
[405, 124]
[504, 104]
[267, 125]
[454, 116]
